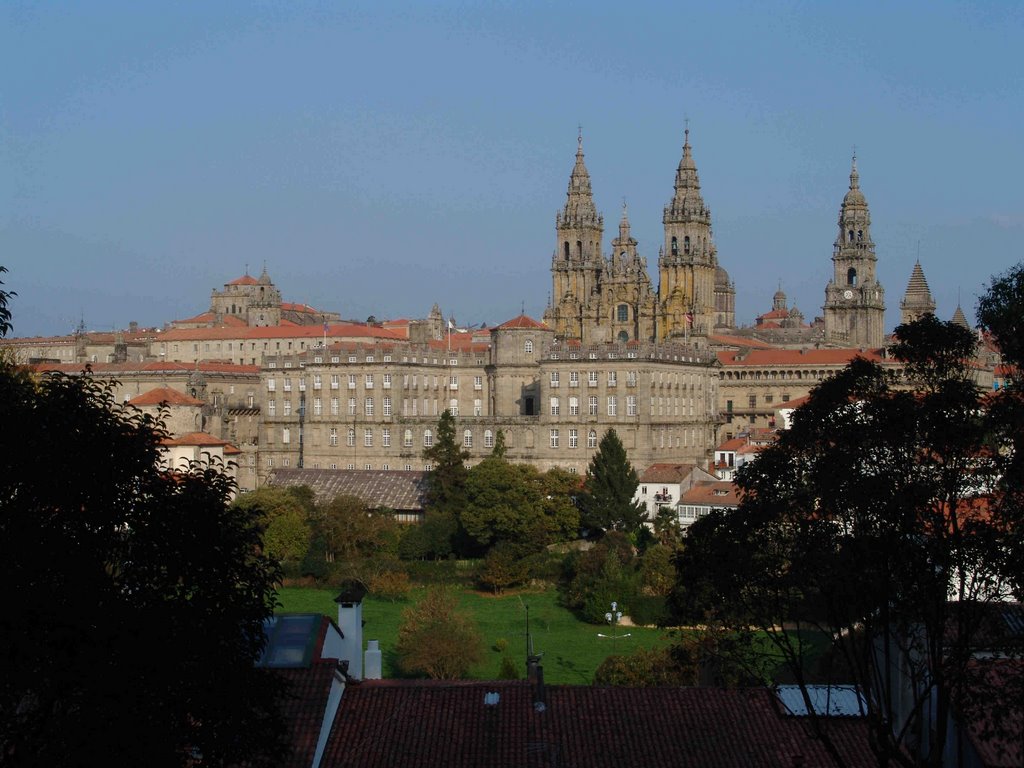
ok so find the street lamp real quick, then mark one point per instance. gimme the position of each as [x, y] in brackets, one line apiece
[613, 617]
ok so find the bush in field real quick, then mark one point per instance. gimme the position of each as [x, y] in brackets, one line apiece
[437, 639]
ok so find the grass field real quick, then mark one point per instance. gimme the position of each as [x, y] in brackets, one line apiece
[572, 649]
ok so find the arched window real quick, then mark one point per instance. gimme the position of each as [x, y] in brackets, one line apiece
[579, 249]
[428, 438]
[528, 347]
[488, 439]
[592, 439]
[467, 438]
[686, 244]
[675, 246]
[849, 235]
[851, 276]
[566, 250]
[860, 235]
[623, 336]
[623, 313]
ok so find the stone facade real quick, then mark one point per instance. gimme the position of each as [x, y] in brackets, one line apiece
[376, 406]
[599, 299]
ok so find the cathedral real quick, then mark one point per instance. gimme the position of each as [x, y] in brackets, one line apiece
[597, 298]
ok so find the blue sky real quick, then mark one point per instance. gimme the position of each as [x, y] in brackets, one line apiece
[381, 157]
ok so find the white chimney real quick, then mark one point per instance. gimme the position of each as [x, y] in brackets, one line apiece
[374, 661]
[350, 622]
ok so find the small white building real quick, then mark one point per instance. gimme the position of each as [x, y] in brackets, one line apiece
[661, 485]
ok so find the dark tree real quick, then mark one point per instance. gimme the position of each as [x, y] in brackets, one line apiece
[606, 502]
[870, 523]
[5, 311]
[134, 597]
[446, 483]
[1001, 313]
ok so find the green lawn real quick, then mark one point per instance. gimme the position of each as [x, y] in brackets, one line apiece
[572, 650]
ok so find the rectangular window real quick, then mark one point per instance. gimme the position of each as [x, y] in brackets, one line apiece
[368, 381]
[368, 438]
[335, 406]
[387, 406]
[334, 436]
[302, 384]
[752, 401]
[613, 378]
[385, 437]
[630, 378]
[287, 407]
[574, 378]
[613, 405]
[351, 406]
[574, 406]
[317, 406]
[574, 438]
[286, 435]
[478, 382]
[335, 381]
[387, 381]
[271, 385]
[351, 381]
[631, 405]
[478, 407]
[554, 438]
[592, 405]
[368, 407]
[592, 378]
[271, 408]
[316, 381]
[785, 397]
[768, 399]
[554, 378]
[554, 406]
[453, 383]
[350, 438]
[287, 385]
[407, 438]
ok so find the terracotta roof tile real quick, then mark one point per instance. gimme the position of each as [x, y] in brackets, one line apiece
[667, 473]
[303, 706]
[421, 724]
[244, 280]
[523, 321]
[763, 357]
[162, 395]
[712, 493]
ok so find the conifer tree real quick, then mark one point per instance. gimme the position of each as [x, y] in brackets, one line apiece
[607, 499]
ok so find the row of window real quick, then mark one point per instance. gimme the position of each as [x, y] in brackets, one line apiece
[351, 381]
[592, 378]
[612, 404]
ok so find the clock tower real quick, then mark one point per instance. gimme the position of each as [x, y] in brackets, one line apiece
[854, 299]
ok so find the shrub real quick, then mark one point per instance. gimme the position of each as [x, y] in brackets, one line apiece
[391, 585]
[436, 639]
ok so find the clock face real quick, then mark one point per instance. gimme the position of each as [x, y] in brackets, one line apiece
[847, 294]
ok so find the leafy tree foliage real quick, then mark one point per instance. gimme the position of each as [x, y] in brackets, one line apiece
[498, 452]
[601, 575]
[5, 310]
[862, 524]
[606, 502]
[135, 597]
[1001, 313]
[286, 513]
[437, 639]
[503, 503]
[351, 532]
[503, 567]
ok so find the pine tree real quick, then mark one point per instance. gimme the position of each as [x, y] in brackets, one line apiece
[446, 492]
[607, 499]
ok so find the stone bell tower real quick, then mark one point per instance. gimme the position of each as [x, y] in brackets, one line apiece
[854, 299]
[687, 266]
[577, 264]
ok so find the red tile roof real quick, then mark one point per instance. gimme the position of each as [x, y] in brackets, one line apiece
[667, 473]
[162, 395]
[724, 340]
[420, 724]
[279, 332]
[766, 357]
[303, 707]
[712, 494]
[198, 438]
[732, 445]
[523, 322]
[244, 280]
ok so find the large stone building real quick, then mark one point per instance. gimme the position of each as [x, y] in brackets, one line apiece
[597, 298]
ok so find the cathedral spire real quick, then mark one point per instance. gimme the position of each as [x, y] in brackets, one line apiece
[854, 176]
[624, 222]
[579, 208]
[917, 300]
